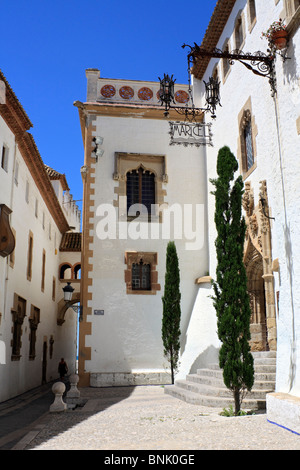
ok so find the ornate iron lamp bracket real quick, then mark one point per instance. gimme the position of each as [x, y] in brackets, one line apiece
[259, 63]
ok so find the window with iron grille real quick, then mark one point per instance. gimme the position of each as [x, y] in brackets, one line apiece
[248, 145]
[141, 276]
[140, 193]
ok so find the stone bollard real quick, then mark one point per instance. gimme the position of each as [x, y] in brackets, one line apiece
[58, 405]
[73, 392]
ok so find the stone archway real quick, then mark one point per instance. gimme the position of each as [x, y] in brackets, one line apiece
[258, 263]
[63, 307]
[256, 289]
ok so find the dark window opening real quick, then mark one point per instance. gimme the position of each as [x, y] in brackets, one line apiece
[140, 193]
[141, 276]
[248, 145]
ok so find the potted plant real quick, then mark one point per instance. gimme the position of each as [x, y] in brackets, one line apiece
[277, 35]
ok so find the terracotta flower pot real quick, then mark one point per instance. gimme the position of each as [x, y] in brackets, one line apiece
[279, 39]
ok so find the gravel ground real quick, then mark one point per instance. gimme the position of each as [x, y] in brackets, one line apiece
[144, 418]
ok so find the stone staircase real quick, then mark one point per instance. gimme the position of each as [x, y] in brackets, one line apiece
[207, 388]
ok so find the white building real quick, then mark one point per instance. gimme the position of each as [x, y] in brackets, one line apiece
[128, 159]
[35, 330]
[263, 132]
[126, 136]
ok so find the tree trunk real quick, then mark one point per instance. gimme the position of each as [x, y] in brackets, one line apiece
[237, 401]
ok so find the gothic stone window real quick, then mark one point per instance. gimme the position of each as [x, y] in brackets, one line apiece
[18, 315]
[140, 191]
[141, 276]
[239, 35]
[249, 160]
[225, 62]
[247, 140]
[291, 6]
[251, 14]
[34, 320]
[141, 179]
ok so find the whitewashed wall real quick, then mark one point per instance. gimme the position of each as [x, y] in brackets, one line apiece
[278, 162]
[19, 376]
[127, 338]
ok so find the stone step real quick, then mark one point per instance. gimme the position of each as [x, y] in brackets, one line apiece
[259, 367]
[265, 354]
[218, 382]
[211, 401]
[260, 375]
[207, 388]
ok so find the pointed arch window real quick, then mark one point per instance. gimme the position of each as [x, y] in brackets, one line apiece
[140, 191]
[248, 143]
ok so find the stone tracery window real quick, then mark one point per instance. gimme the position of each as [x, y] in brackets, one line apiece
[249, 155]
[239, 33]
[252, 12]
[34, 320]
[140, 180]
[18, 315]
[140, 191]
[225, 62]
[291, 6]
[247, 140]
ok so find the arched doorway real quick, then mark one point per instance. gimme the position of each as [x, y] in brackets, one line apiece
[258, 263]
[256, 290]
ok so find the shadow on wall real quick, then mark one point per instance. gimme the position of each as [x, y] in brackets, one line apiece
[209, 356]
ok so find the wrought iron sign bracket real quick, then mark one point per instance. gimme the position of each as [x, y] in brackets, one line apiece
[259, 63]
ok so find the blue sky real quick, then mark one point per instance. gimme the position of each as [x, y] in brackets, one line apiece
[46, 46]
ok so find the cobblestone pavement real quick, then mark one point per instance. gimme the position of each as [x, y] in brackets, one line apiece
[145, 418]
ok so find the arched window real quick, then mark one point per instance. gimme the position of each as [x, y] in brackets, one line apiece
[225, 62]
[252, 11]
[247, 142]
[65, 271]
[140, 191]
[239, 33]
[77, 271]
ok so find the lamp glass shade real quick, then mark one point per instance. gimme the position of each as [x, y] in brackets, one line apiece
[68, 292]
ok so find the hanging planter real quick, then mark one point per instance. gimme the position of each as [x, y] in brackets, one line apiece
[279, 39]
[277, 35]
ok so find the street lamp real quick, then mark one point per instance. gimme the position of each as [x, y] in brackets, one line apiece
[68, 292]
[166, 92]
[212, 95]
[166, 95]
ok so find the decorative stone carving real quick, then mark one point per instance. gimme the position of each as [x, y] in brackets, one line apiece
[248, 199]
[258, 262]
[7, 239]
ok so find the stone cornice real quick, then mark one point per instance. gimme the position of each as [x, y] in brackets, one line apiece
[19, 123]
[121, 110]
[35, 164]
[12, 111]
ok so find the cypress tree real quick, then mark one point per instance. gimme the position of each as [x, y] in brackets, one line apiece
[171, 309]
[231, 299]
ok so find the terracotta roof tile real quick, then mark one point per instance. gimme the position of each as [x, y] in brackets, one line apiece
[71, 241]
[215, 28]
[55, 175]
